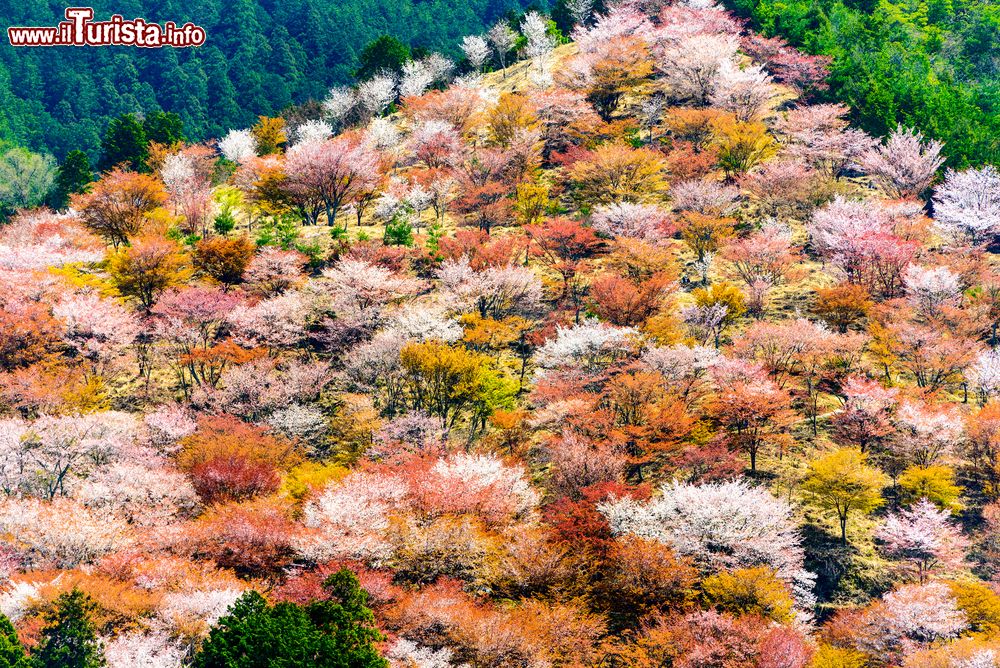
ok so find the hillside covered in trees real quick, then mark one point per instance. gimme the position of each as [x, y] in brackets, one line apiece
[931, 65]
[261, 56]
[632, 352]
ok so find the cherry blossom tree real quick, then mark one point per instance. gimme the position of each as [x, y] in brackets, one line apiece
[764, 255]
[436, 143]
[416, 78]
[351, 516]
[166, 425]
[819, 135]
[709, 198]
[61, 533]
[313, 130]
[96, 329]
[926, 433]
[931, 288]
[984, 375]
[967, 204]
[787, 64]
[187, 175]
[905, 164]
[502, 38]
[470, 483]
[272, 271]
[591, 345]
[336, 170]
[633, 221]
[866, 419]
[861, 240]
[339, 103]
[748, 93]
[377, 93]
[46, 457]
[535, 29]
[238, 146]
[691, 66]
[274, 322]
[925, 538]
[722, 526]
[922, 613]
[150, 650]
[476, 50]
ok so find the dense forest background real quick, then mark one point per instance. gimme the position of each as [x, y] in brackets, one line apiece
[929, 64]
[261, 56]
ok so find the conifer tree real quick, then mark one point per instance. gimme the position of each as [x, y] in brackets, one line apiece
[69, 639]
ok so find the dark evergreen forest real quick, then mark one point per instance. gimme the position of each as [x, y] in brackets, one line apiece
[260, 57]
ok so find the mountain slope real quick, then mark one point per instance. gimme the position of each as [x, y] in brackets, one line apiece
[260, 57]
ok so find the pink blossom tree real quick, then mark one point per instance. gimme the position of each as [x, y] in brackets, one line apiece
[336, 170]
[691, 66]
[748, 93]
[765, 255]
[272, 271]
[925, 539]
[819, 135]
[905, 164]
[633, 221]
[96, 329]
[926, 433]
[866, 419]
[918, 614]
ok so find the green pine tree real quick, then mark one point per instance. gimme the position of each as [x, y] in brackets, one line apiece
[384, 53]
[125, 143]
[164, 127]
[11, 651]
[73, 176]
[337, 632]
[69, 639]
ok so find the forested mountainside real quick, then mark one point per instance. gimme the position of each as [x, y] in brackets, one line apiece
[260, 57]
[934, 65]
[630, 353]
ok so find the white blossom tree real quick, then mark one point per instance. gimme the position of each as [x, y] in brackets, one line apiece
[905, 164]
[589, 345]
[930, 288]
[722, 526]
[502, 38]
[476, 50]
[967, 204]
[691, 66]
[238, 146]
[748, 92]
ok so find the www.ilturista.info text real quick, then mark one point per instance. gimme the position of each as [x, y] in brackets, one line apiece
[79, 29]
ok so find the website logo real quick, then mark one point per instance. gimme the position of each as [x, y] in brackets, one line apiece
[79, 29]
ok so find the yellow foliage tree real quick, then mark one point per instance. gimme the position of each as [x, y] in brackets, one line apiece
[980, 604]
[440, 379]
[616, 173]
[512, 116]
[934, 483]
[828, 656]
[749, 591]
[147, 268]
[843, 482]
[270, 134]
[742, 145]
[704, 234]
